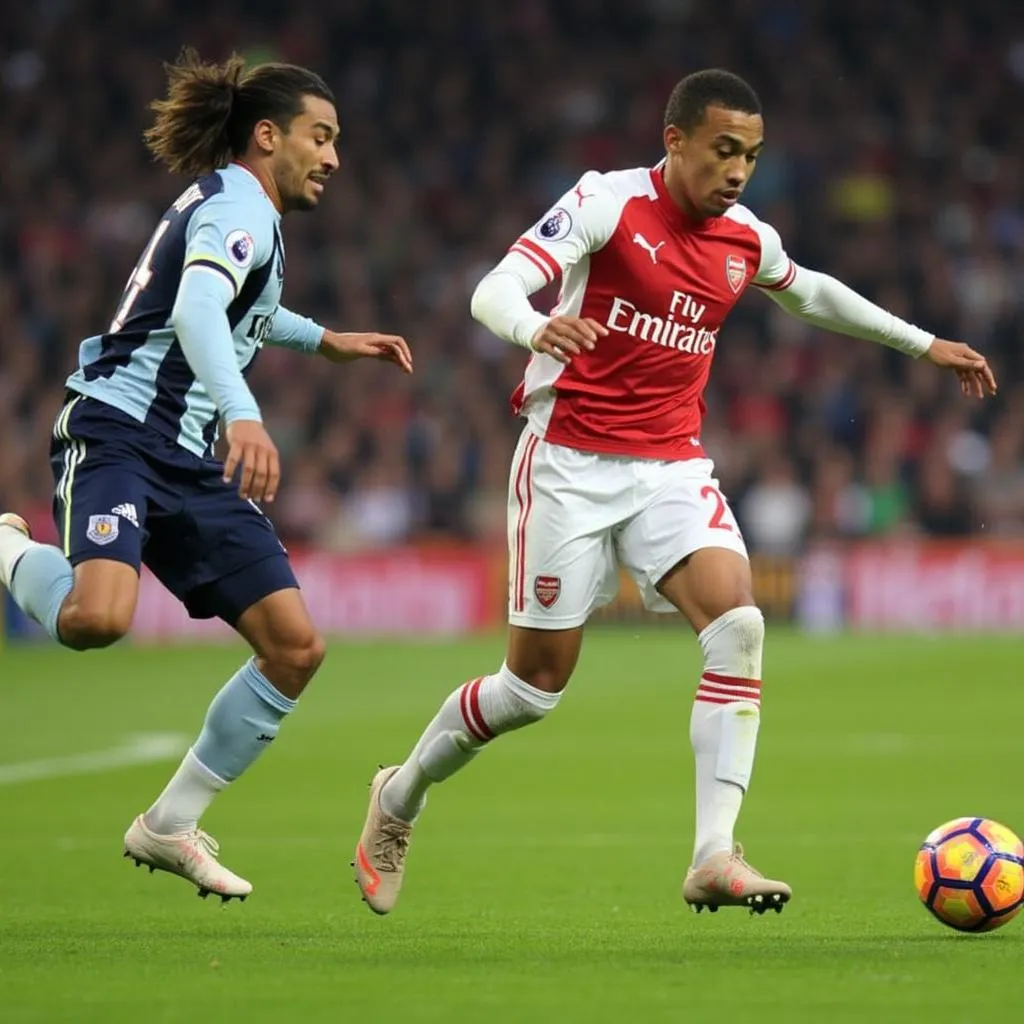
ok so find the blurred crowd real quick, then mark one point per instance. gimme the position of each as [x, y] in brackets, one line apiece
[894, 161]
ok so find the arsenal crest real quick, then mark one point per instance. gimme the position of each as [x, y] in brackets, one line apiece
[735, 271]
[547, 589]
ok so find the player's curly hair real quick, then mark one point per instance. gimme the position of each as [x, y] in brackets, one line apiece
[695, 93]
[210, 110]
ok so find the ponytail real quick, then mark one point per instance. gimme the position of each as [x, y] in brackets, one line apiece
[192, 130]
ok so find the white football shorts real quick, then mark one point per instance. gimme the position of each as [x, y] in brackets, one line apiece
[575, 517]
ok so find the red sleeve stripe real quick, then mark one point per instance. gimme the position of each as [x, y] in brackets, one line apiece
[520, 251]
[548, 260]
[784, 283]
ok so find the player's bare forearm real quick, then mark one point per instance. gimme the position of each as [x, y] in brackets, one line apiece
[976, 376]
[343, 348]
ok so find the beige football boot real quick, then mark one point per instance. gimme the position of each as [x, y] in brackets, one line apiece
[191, 855]
[380, 856]
[14, 522]
[727, 880]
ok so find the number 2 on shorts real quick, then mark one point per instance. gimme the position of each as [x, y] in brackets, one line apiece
[717, 520]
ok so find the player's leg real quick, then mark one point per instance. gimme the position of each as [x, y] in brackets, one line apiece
[536, 669]
[524, 690]
[686, 550]
[85, 607]
[561, 567]
[254, 590]
[84, 593]
[247, 712]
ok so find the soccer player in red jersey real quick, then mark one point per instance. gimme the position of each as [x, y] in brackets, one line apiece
[610, 469]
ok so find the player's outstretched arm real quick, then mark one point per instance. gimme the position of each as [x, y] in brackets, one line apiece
[291, 330]
[825, 302]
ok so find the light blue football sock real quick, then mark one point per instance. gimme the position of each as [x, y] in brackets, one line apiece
[42, 579]
[242, 721]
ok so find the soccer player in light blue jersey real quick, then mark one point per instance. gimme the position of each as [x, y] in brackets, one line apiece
[132, 453]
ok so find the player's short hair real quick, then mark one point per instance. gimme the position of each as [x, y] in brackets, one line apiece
[210, 110]
[695, 93]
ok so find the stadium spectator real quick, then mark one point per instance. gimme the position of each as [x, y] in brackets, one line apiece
[901, 158]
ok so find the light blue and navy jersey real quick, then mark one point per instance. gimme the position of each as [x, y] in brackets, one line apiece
[161, 363]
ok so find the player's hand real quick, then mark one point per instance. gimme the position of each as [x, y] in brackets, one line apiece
[341, 348]
[976, 376]
[563, 337]
[251, 448]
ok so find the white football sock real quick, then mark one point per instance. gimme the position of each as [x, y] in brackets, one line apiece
[13, 544]
[471, 716]
[183, 801]
[724, 724]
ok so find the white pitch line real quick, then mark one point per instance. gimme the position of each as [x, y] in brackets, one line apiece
[141, 748]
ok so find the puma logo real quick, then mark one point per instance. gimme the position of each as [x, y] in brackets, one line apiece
[652, 250]
[580, 196]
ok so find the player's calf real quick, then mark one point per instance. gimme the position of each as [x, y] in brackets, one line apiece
[471, 717]
[292, 666]
[724, 725]
[241, 723]
[289, 649]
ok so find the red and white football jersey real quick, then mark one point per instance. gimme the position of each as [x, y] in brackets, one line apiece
[662, 284]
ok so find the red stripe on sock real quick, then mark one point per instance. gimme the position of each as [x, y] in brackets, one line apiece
[467, 716]
[707, 697]
[714, 677]
[736, 692]
[474, 704]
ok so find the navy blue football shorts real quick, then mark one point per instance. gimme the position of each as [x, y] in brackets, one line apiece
[126, 492]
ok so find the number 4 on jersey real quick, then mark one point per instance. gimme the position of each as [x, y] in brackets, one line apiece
[140, 277]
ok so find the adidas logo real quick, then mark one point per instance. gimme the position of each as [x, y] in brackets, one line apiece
[126, 511]
[264, 738]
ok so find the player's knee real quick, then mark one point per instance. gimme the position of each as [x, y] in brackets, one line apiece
[300, 658]
[313, 654]
[547, 678]
[84, 627]
[734, 642]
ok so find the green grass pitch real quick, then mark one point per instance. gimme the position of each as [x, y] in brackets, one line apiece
[544, 882]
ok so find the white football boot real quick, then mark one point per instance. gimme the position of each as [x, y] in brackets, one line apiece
[380, 854]
[192, 855]
[727, 880]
